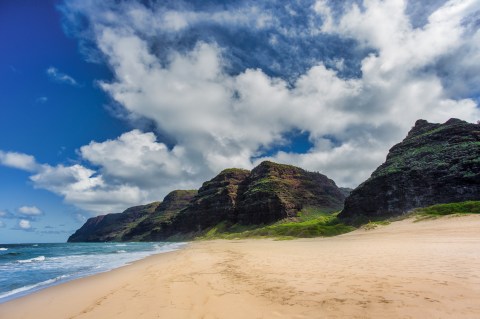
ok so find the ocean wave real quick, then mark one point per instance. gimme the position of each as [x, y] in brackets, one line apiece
[121, 245]
[12, 254]
[120, 251]
[3, 249]
[36, 259]
[32, 287]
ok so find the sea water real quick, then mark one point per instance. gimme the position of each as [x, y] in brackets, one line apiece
[26, 268]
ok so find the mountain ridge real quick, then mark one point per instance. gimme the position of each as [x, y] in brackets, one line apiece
[434, 164]
[268, 193]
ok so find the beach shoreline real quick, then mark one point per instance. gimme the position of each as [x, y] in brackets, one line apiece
[402, 270]
[28, 268]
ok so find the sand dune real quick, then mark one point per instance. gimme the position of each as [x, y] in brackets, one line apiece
[429, 269]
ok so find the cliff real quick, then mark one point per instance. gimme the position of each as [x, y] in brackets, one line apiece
[268, 193]
[274, 191]
[434, 164]
[153, 227]
[112, 227]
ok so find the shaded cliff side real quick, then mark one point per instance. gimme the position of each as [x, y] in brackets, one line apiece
[268, 193]
[112, 227]
[435, 163]
[274, 191]
[152, 228]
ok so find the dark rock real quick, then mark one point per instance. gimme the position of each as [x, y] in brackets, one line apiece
[214, 203]
[217, 199]
[434, 164]
[112, 227]
[157, 223]
[274, 191]
[268, 193]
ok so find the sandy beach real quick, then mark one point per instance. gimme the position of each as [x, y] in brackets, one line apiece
[428, 269]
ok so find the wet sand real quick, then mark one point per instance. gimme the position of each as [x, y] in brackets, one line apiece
[428, 269]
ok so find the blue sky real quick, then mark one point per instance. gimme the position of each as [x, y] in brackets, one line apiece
[105, 105]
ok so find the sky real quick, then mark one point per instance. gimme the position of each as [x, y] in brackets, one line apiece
[110, 104]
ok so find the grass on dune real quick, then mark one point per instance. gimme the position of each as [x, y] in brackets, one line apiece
[470, 207]
[309, 223]
[435, 211]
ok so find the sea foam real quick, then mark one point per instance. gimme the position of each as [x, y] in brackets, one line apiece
[43, 265]
[33, 287]
[36, 259]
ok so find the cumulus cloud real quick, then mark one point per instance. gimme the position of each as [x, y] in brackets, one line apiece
[24, 224]
[86, 189]
[60, 77]
[18, 160]
[351, 77]
[220, 119]
[133, 169]
[136, 172]
[29, 211]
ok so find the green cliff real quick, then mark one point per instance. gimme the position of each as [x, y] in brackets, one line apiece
[434, 164]
[268, 193]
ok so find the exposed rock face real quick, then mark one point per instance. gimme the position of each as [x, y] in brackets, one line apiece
[434, 164]
[112, 227]
[216, 200]
[273, 191]
[152, 228]
[266, 194]
[214, 203]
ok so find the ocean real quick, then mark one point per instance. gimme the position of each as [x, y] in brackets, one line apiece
[26, 268]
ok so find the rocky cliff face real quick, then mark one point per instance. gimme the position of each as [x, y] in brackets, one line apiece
[112, 227]
[214, 203]
[266, 194]
[216, 200]
[435, 163]
[157, 223]
[273, 191]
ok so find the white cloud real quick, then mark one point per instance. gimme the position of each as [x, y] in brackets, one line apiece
[30, 211]
[60, 77]
[135, 169]
[86, 189]
[221, 120]
[2, 224]
[218, 120]
[18, 160]
[136, 158]
[24, 224]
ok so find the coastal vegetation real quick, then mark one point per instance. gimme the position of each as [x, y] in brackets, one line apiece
[309, 223]
[453, 209]
[435, 164]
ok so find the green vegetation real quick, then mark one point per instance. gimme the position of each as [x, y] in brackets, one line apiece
[372, 225]
[311, 222]
[470, 207]
[417, 158]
